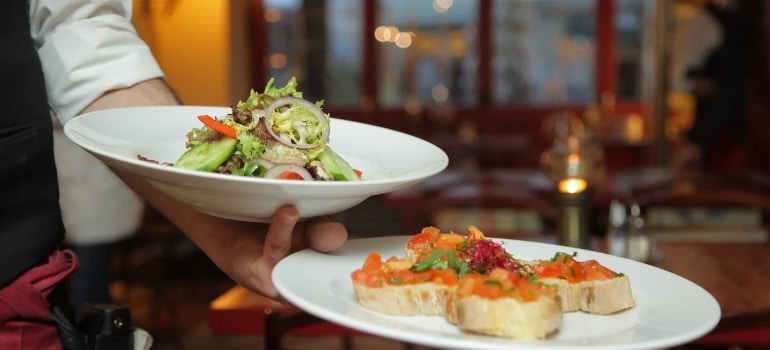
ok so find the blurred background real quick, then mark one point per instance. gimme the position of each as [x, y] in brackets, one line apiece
[484, 79]
[477, 77]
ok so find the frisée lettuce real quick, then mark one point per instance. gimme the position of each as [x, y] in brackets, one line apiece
[277, 134]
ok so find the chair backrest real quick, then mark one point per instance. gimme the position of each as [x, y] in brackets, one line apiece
[499, 208]
[736, 205]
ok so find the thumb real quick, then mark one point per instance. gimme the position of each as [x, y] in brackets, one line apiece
[277, 245]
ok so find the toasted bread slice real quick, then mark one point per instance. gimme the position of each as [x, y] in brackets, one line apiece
[402, 287]
[504, 304]
[569, 293]
[585, 286]
[604, 297]
[427, 299]
[506, 317]
[600, 297]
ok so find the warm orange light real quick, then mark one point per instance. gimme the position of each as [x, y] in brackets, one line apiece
[403, 40]
[272, 15]
[572, 185]
[278, 60]
[382, 34]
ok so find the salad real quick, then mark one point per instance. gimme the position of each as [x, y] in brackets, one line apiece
[274, 134]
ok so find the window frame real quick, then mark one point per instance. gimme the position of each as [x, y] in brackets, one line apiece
[422, 125]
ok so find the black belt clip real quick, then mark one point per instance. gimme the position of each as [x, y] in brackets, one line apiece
[107, 327]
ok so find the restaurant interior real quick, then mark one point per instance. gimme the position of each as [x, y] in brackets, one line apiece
[559, 117]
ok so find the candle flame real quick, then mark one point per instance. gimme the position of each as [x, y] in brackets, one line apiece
[572, 185]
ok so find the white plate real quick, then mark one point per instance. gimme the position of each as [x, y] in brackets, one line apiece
[390, 160]
[670, 309]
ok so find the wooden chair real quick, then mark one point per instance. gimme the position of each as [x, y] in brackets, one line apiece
[747, 195]
[694, 190]
[503, 209]
[689, 189]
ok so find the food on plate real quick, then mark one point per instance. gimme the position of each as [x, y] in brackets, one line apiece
[478, 253]
[403, 287]
[450, 275]
[475, 284]
[419, 283]
[586, 286]
[506, 304]
[274, 134]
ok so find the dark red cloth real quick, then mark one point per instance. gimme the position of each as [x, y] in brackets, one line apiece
[25, 314]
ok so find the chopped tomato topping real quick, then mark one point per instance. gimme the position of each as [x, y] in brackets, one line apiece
[373, 262]
[423, 241]
[445, 276]
[503, 283]
[394, 271]
[449, 241]
[368, 273]
[565, 266]
[596, 271]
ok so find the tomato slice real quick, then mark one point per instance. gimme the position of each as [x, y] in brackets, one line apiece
[290, 175]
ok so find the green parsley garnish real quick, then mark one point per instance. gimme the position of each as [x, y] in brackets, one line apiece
[495, 283]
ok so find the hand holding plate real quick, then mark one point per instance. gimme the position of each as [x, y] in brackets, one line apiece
[284, 236]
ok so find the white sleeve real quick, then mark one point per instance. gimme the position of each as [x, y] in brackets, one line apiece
[88, 47]
[694, 40]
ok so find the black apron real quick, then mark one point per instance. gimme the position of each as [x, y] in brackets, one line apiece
[30, 221]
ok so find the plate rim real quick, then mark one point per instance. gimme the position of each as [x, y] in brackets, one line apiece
[284, 269]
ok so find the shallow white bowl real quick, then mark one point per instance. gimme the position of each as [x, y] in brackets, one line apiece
[390, 160]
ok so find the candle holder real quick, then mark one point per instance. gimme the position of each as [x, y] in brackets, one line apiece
[574, 163]
[574, 214]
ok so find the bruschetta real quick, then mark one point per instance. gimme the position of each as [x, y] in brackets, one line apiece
[402, 287]
[478, 252]
[586, 286]
[476, 284]
[505, 304]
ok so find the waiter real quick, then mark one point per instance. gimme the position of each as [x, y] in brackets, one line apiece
[75, 56]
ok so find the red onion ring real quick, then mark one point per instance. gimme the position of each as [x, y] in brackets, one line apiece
[276, 171]
[256, 115]
[289, 100]
[280, 154]
[267, 164]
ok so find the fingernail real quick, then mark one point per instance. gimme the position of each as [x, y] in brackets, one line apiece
[291, 215]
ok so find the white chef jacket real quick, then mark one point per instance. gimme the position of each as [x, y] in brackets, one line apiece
[694, 39]
[88, 47]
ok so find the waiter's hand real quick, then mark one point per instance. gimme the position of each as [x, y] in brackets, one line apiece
[255, 256]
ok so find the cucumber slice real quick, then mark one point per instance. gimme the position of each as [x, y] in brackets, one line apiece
[336, 166]
[207, 156]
